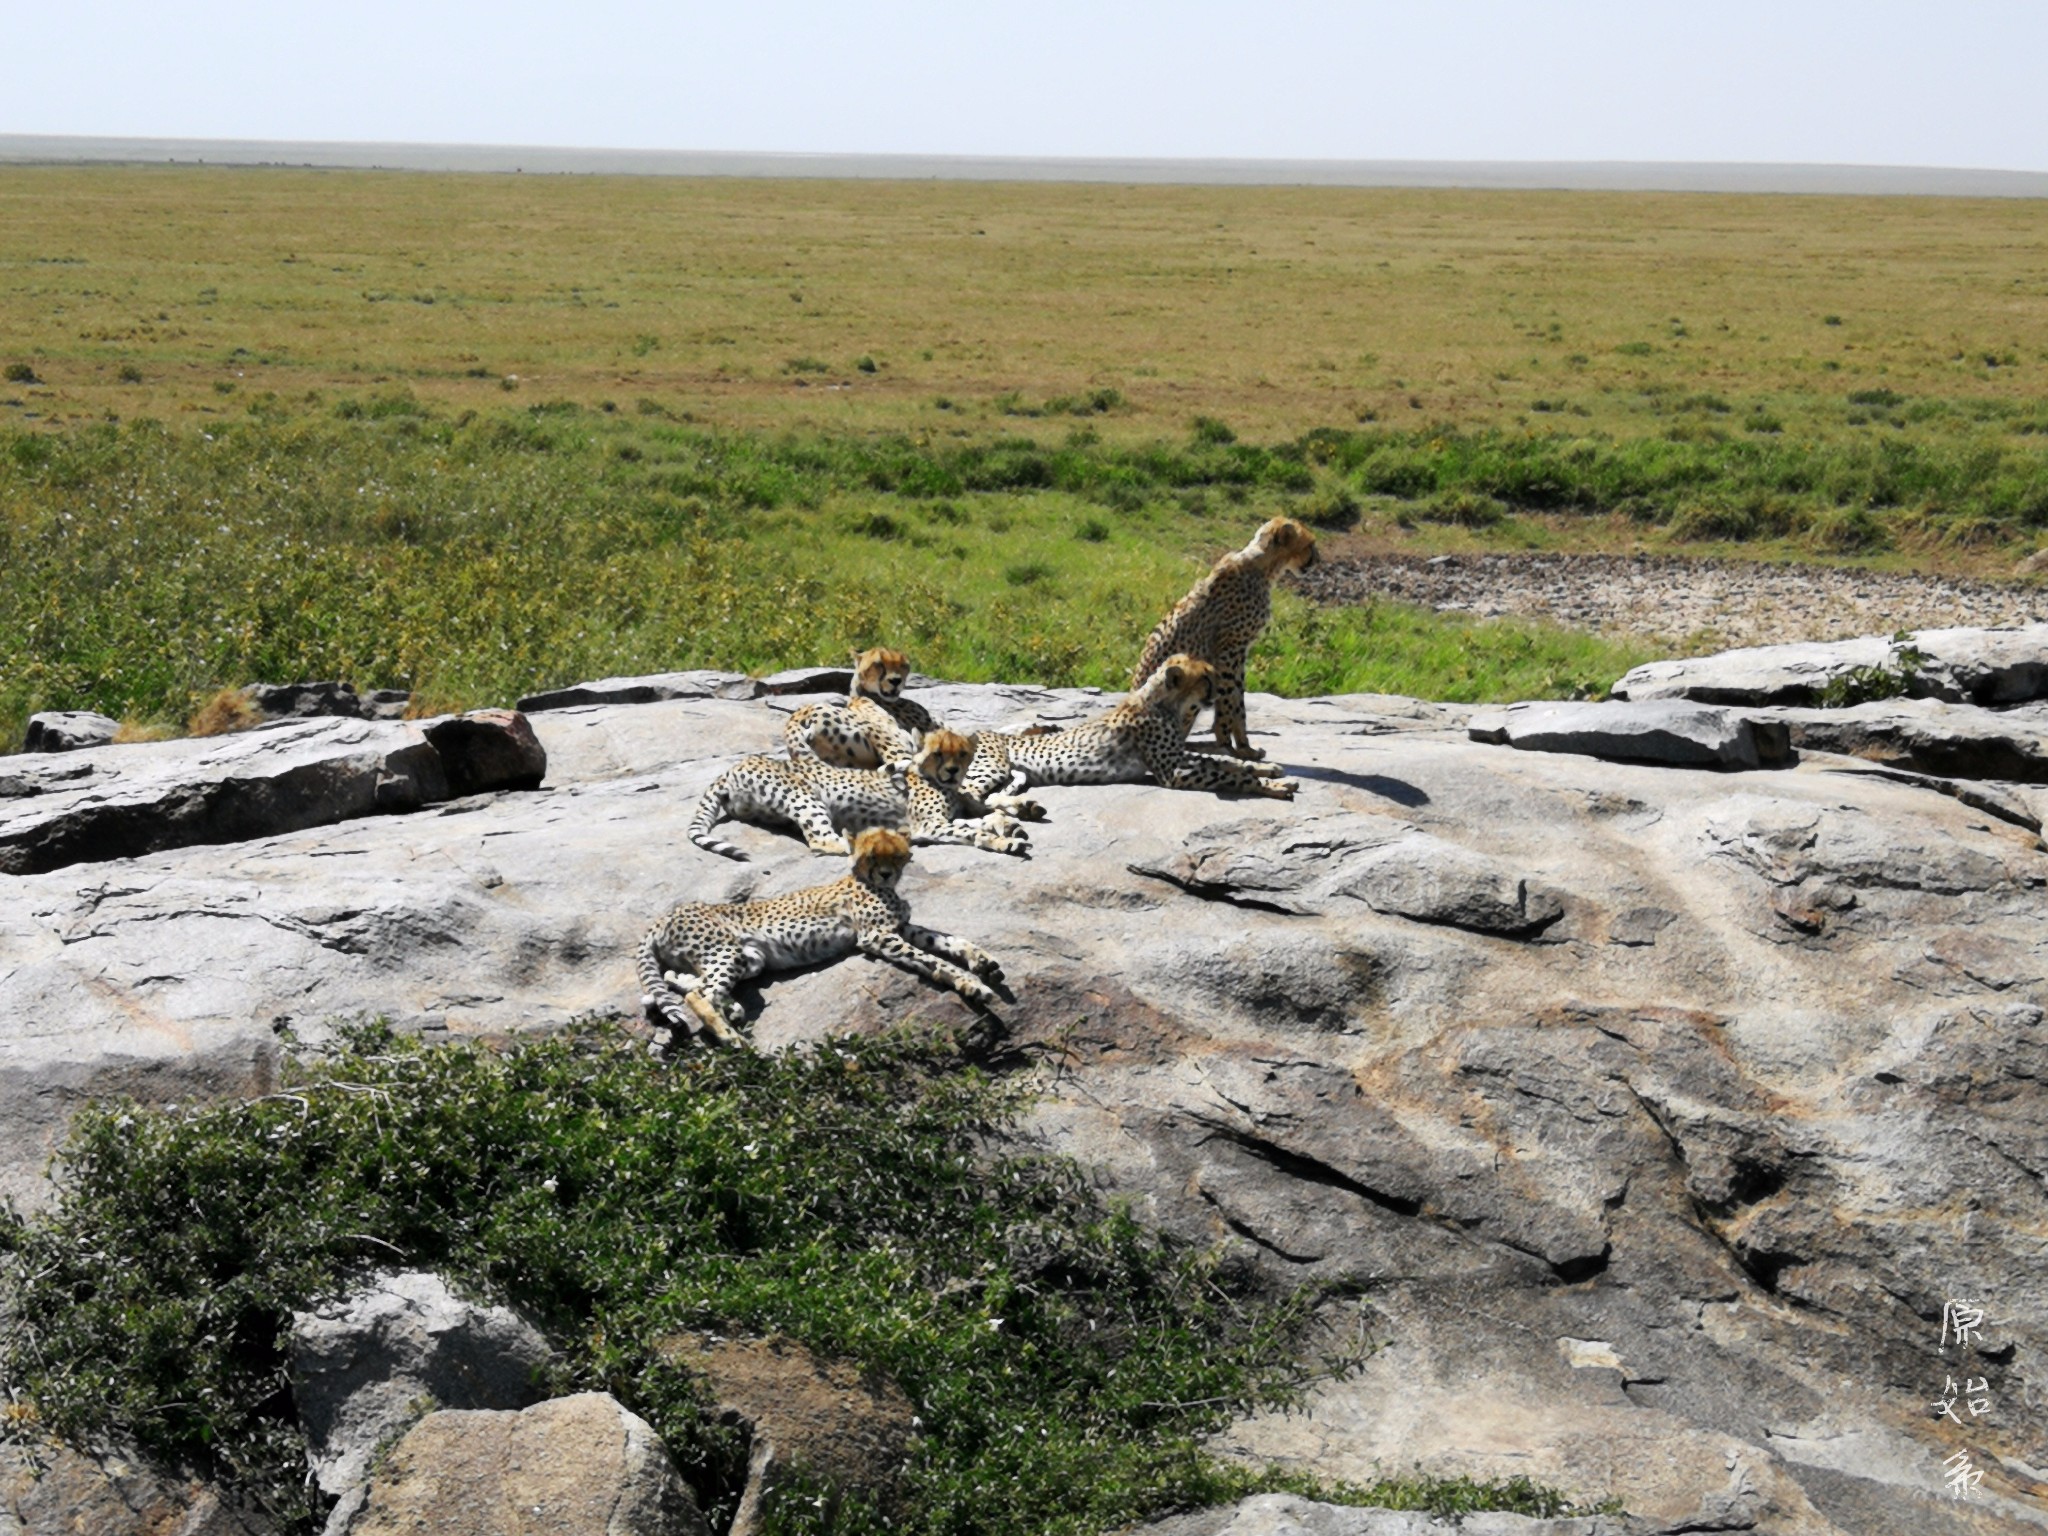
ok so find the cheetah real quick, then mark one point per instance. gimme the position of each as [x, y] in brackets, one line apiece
[691, 960]
[875, 725]
[826, 804]
[1145, 734]
[941, 810]
[822, 802]
[1218, 621]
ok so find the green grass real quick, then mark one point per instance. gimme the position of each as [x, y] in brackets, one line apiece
[1067, 1364]
[474, 558]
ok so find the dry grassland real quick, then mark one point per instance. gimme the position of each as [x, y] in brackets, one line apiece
[752, 304]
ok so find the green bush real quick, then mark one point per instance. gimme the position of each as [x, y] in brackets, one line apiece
[1065, 1362]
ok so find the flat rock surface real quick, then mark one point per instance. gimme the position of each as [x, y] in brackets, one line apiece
[1652, 1113]
[1671, 731]
[1960, 665]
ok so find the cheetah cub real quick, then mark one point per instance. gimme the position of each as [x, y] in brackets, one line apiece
[822, 802]
[693, 958]
[1144, 735]
[1228, 609]
[828, 804]
[875, 725]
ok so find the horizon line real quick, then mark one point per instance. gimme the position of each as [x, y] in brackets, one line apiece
[1793, 177]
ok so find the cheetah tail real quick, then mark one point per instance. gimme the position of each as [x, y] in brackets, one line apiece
[711, 811]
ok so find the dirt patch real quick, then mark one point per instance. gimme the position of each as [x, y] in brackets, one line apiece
[1691, 605]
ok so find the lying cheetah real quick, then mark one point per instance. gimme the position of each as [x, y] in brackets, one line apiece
[692, 959]
[828, 804]
[875, 725]
[822, 802]
[1218, 621]
[1146, 734]
[941, 810]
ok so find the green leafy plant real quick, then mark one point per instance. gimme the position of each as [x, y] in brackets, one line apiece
[1066, 1363]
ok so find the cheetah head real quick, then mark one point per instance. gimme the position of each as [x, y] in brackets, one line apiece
[1181, 689]
[943, 756]
[880, 673]
[879, 855]
[1282, 544]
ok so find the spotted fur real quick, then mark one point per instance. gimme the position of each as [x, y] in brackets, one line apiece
[1227, 610]
[1145, 735]
[941, 810]
[875, 724]
[691, 960]
[824, 803]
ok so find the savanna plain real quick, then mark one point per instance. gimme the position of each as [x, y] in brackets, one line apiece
[477, 435]
[472, 435]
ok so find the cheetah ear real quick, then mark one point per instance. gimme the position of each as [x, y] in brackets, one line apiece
[1174, 675]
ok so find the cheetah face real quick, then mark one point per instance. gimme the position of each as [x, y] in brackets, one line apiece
[879, 855]
[880, 673]
[1290, 544]
[943, 758]
[1186, 688]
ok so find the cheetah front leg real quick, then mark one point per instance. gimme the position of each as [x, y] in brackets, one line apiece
[971, 834]
[957, 949]
[894, 948]
[815, 824]
[1230, 734]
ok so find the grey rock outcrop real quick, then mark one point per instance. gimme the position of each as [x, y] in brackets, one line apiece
[1926, 736]
[574, 1466]
[650, 689]
[1795, 674]
[367, 1366]
[68, 730]
[1656, 731]
[53, 1490]
[1960, 665]
[274, 779]
[1651, 1113]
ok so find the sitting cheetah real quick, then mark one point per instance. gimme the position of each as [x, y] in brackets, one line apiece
[827, 804]
[1146, 734]
[875, 725]
[1218, 621]
[692, 959]
[821, 801]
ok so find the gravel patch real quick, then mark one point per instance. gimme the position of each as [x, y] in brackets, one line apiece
[1692, 605]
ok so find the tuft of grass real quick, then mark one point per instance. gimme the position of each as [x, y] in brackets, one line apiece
[1067, 1364]
[22, 373]
[225, 712]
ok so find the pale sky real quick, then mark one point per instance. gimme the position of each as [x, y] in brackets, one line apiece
[1862, 82]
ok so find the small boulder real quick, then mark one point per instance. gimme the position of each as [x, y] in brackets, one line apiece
[1757, 674]
[67, 730]
[1668, 731]
[849, 1429]
[301, 701]
[807, 680]
[576, 1466]
[386, 704]
[53, 1490]
[653, 688]
[487, 749]
[362, 1367]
